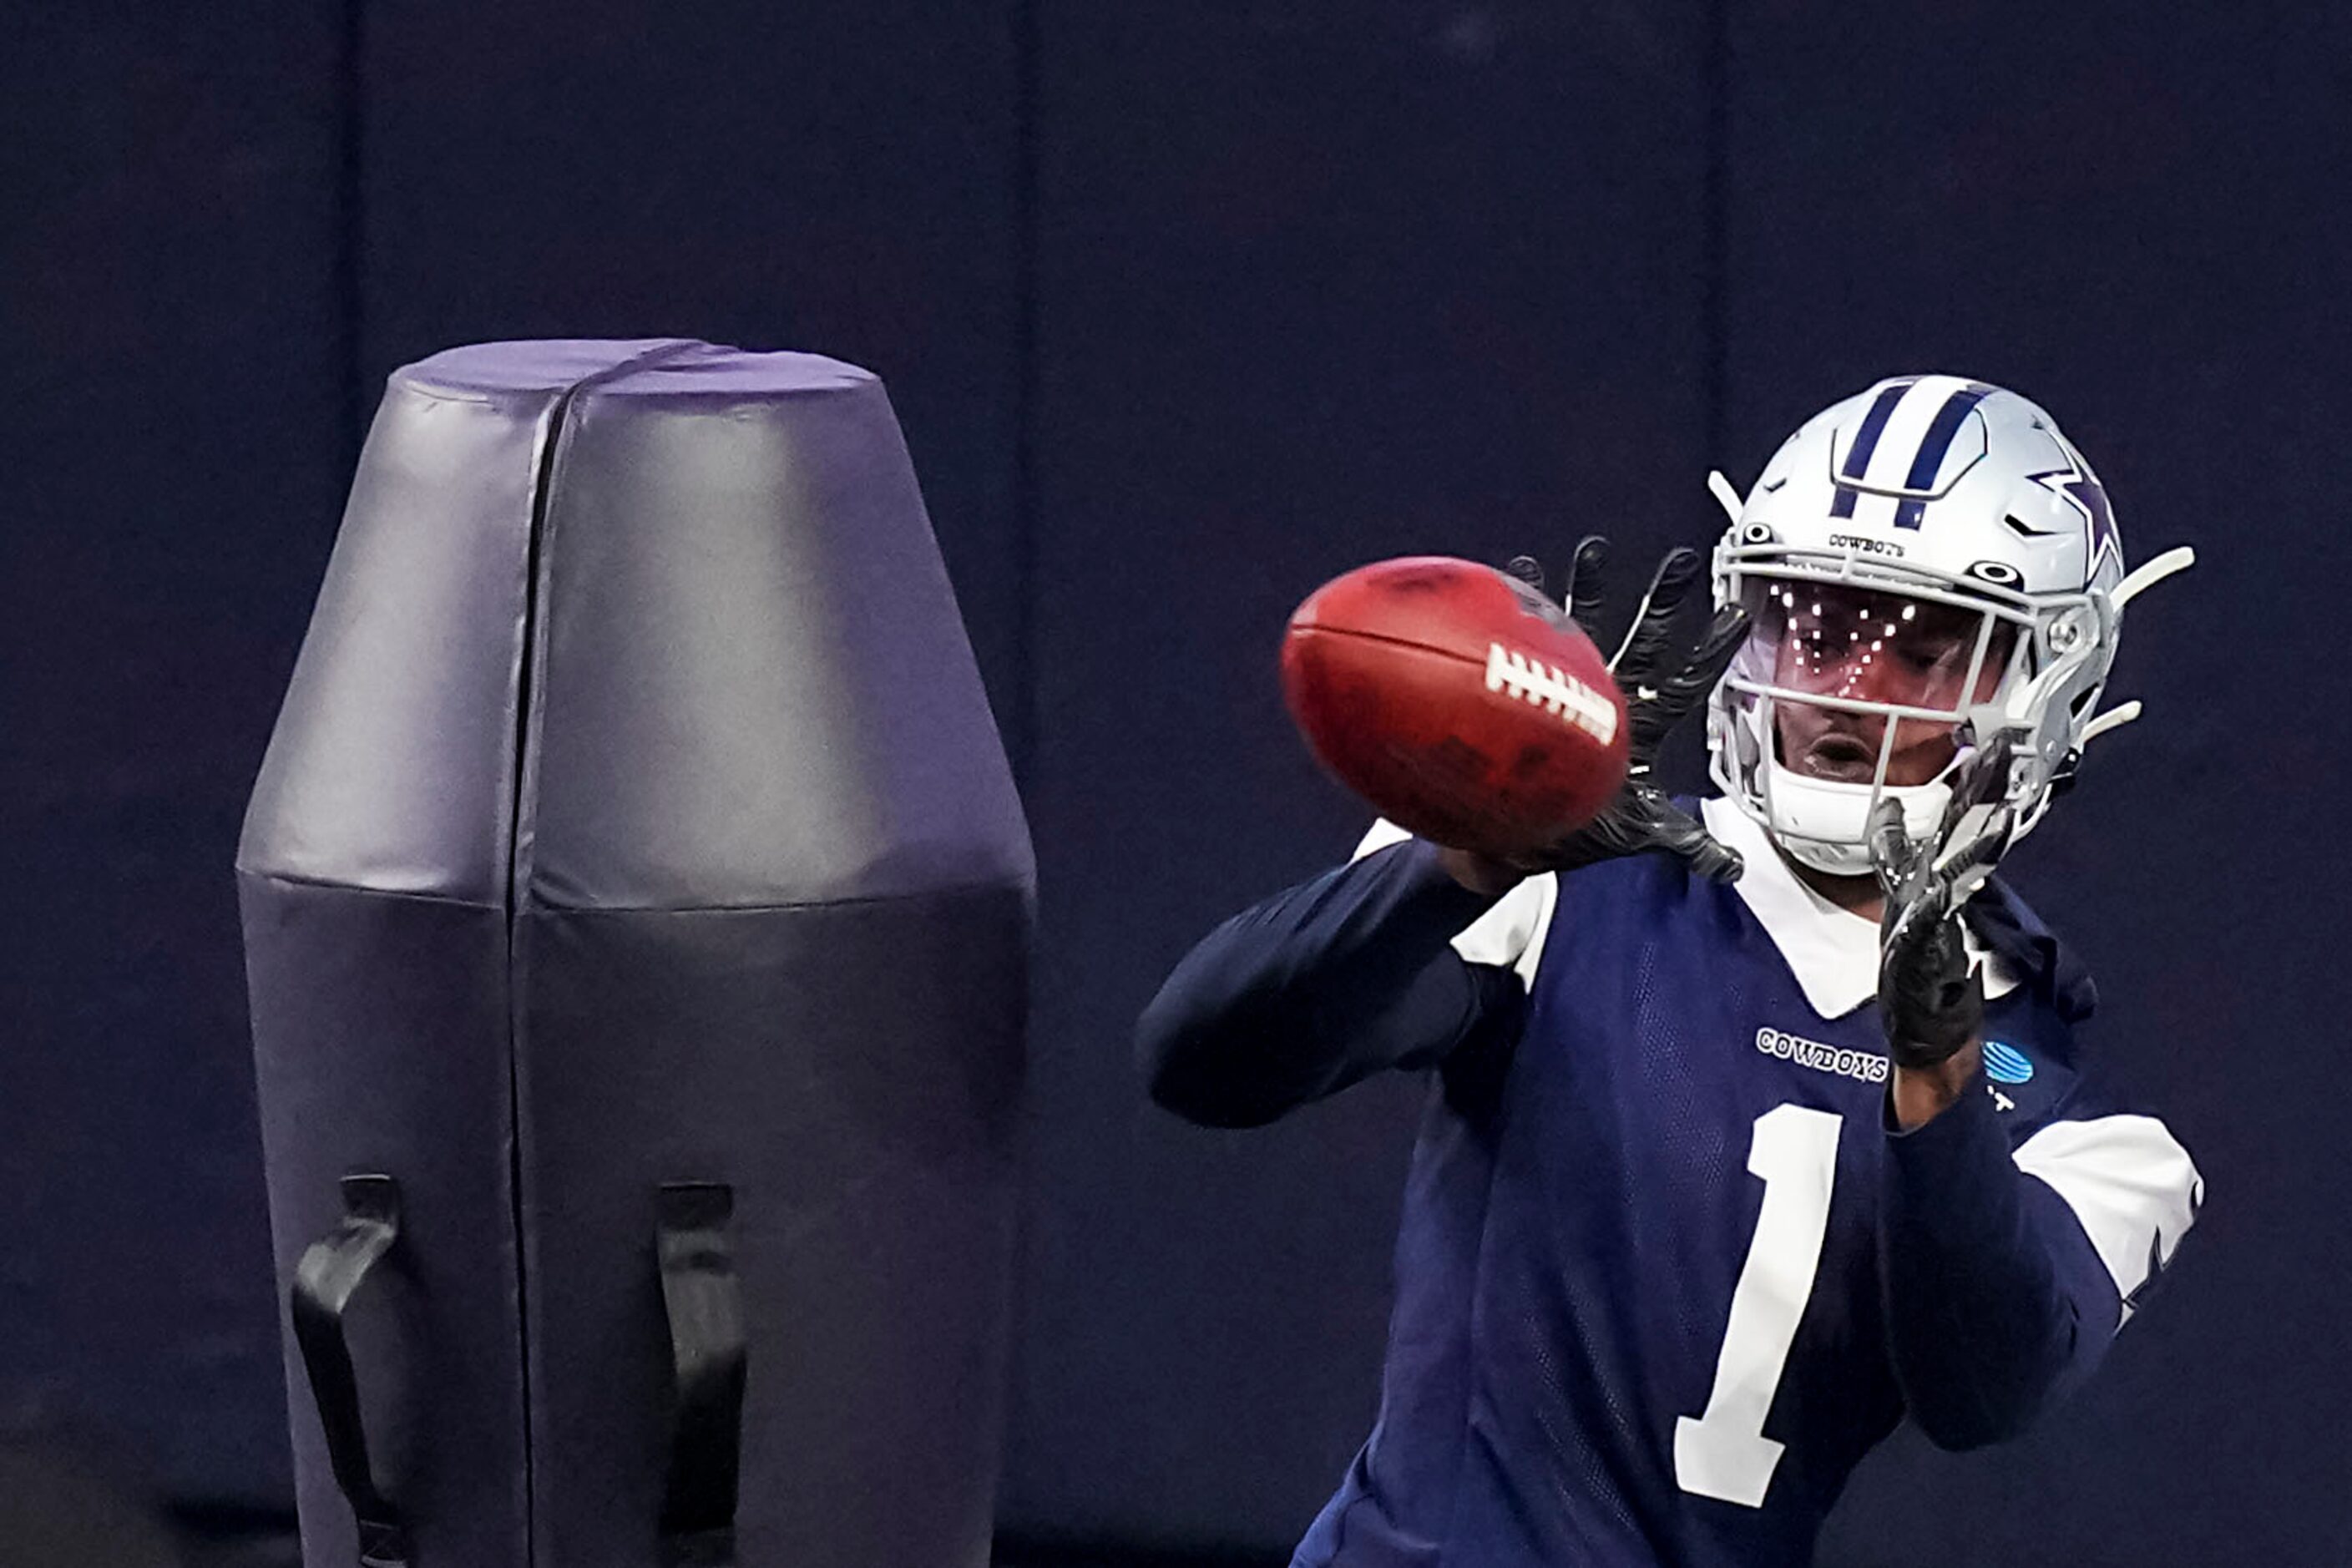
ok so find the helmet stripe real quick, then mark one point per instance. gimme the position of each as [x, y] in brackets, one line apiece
[1933, 447]
[1865, 442]
[1873, 425]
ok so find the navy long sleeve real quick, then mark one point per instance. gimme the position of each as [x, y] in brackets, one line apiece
[1320, 986]
[1997, 1304]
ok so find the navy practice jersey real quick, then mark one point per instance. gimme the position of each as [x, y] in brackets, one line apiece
[1666, 1269]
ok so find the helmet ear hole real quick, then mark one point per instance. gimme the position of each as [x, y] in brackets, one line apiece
[2070, 630]
[1756, 533]
[1999, 573]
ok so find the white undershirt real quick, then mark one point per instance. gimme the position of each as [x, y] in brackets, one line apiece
[1832, 951]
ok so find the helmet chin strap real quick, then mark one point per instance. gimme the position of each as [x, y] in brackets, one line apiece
[1825, 824]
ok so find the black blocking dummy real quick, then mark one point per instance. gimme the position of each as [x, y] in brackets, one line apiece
[637, 909]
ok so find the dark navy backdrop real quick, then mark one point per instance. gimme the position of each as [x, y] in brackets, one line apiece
[1185, 308]
[173, 460]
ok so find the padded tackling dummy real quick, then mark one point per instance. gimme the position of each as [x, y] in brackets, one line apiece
[636, 908]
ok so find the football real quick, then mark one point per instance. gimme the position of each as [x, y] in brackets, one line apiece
[1460, 702]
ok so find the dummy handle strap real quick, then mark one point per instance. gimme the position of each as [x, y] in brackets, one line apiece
[705, 1308]
[331, 1272]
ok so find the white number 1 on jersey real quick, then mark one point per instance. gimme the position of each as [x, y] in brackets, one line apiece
[1724, 1453]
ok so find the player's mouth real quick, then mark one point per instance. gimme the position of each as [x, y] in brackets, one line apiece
[1841, 759]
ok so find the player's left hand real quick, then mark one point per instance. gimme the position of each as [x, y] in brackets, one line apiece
[1929, 997]
[1665, 676]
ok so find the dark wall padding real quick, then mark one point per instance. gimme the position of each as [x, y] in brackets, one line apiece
[636, 819]
[171, 447]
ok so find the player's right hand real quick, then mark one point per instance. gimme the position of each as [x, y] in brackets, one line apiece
[1930, 998]
[1662, 677]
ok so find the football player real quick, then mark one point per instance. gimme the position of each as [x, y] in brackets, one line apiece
[1758, 1124]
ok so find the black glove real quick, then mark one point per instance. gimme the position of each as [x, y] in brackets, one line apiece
[1663, 677]
[1930, 998]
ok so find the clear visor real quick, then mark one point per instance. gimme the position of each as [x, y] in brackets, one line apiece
[1862, 684]
[1851, 643]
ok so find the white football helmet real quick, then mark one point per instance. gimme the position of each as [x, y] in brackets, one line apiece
[1928, 559]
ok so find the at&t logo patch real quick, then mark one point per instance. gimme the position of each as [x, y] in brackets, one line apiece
[2006, 1064]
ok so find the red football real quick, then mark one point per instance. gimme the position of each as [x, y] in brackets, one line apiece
[1463, 704]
